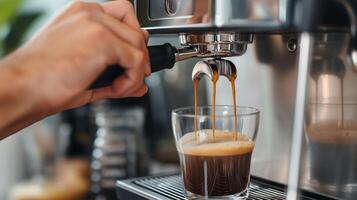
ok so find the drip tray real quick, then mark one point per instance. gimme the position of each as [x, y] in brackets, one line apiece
[169, 187]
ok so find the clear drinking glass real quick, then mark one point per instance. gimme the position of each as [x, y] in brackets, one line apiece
[331, 132]
[215, 164]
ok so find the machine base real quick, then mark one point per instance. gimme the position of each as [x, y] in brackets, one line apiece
[169, 187]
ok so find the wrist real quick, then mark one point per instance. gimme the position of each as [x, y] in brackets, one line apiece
[18, 86]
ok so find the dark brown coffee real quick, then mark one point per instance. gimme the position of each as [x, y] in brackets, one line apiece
[215, 166]
[332, 151]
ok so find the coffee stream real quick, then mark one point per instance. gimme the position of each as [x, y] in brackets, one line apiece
[232, 80]
[214, 84]
[195, 88]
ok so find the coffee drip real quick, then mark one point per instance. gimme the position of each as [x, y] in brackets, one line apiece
[213, 69]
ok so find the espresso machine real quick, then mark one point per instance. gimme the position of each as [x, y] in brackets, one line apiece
[296, 61]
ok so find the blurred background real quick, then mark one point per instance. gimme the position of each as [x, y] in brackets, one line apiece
[78, 154]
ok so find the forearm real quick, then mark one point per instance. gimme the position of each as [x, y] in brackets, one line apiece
[20, 103]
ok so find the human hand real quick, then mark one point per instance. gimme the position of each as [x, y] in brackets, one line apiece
[63, 59]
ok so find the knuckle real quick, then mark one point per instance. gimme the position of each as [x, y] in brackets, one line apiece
[133, 85]
[85, 6]
[139, 41]
[136, 84]
[127, 5]
[97, 32]
[140, 94]
[85, 16]
[96, 6]
[139, 58]
[143, 91]
[78, 6]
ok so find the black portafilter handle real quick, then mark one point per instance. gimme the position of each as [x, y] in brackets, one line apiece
[161, 57]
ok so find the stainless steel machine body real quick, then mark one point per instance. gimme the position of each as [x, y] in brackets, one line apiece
[177, 16]
[285, 69]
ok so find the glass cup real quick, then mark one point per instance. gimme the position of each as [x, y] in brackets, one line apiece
[215, 163]
[331, 132]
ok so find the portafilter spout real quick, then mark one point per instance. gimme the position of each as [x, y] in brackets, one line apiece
[212, 68]
[204, 68]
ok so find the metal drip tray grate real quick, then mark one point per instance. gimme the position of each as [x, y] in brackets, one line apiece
[170, 188]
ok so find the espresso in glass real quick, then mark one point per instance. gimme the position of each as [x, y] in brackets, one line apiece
[215, 165]
[333, 149]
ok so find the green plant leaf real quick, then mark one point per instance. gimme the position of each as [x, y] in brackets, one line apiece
[17, 29]
[8, 9]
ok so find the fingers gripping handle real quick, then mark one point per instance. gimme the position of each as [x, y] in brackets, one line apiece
[161, 57]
